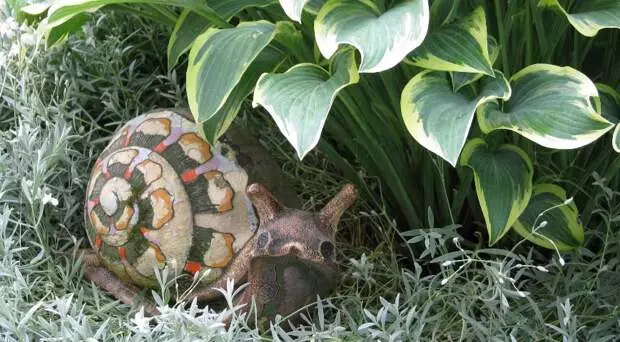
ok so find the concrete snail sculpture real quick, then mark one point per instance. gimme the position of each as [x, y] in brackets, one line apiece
[160, 195]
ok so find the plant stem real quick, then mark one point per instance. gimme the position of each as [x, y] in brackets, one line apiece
[502, 37]
[528, 36]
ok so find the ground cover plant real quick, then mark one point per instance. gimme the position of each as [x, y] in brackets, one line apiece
[406, 278]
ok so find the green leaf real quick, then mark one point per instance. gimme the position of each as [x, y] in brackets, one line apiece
[610, 102]
[213, 128]
[615, 139]
[443, 11]
[190, 25]
[610, 110]
[461, 79]
[461, 46]
[550, 105]
[438, 118]
[590, 16]
[383, 40]
[60, 33]
[293, 8]
[32, 13]
[35, 9]
[562, 227]
[314, 6]
[64, 10]
[217, 61]
[503, 178]
[151, 12]
[299, 99]
[228, 8]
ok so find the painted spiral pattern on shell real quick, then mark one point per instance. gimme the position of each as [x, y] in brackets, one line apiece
[160, 195]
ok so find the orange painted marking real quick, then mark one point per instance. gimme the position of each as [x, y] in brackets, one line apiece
[161, 201]
[192, 267]
[122, 253]
[195, 148]
[228, 240]
[98, 241]
[123, 221]
[209, 175]
[100, 228]
[159, 255]
[226, 203]
[150, 170]
[189, 176]
[127, 136]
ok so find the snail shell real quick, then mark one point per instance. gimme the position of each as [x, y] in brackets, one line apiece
[160, 195]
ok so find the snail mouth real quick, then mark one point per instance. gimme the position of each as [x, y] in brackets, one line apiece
[324, 268]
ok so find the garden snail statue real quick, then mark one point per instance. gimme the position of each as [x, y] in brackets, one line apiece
[159, 195]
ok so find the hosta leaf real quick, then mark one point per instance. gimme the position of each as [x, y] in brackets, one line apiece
[293, 8]
[190, 25]
[503, 179]
[314, 6]
[443, 11]
[461, 46]
[562, 222]
[461, 79]
[217, 61]
[550, 105]
[383, 40]
[63, 10]
[615, 139]
[438, 118]
[266, 61]
[610, 110]
[32, 13]
[60, 33]
[610, 102]
[228, 8]
[299, 99]
[590, 16]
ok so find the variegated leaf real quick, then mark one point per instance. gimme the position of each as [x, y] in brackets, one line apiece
[590, 16]
[550, 222]
[299, 99]
[439, 118]
[550, 105]
[383, 39]
[503, 178]
[461, 46]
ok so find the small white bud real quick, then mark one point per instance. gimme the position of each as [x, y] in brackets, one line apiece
[444, 281]
[447, 263]
[568, 201]
[562, 261]
[48, 198]
[542, 269]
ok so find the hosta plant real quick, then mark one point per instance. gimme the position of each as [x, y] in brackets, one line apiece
[428, 96]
